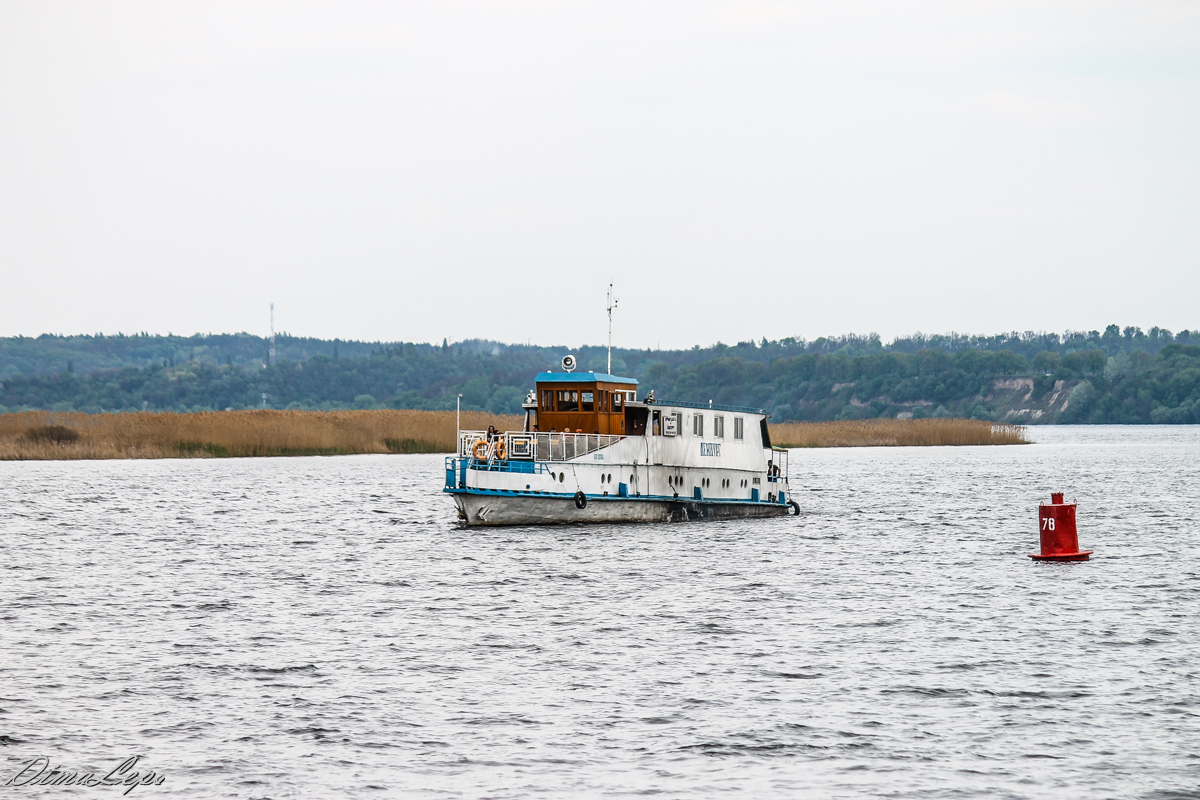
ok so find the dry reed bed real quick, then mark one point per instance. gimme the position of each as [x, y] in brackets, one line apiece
[896, 433]
[46, 435]
[38, 435]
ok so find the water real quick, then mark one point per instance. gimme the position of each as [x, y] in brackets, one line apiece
[320, 627]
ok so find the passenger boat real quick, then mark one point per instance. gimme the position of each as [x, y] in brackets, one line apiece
[592, 451]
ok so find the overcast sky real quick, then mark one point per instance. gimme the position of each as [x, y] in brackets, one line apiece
[425, 170]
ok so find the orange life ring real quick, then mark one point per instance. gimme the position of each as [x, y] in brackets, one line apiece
[501, 450]
[480, 449]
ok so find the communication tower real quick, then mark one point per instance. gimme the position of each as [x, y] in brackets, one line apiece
[271, 359]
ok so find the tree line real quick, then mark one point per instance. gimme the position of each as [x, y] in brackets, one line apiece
[51, 353]
[1119, 376]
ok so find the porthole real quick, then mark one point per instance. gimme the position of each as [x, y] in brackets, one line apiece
[562, 476]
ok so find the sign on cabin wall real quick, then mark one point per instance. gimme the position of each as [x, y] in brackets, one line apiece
[671, 425]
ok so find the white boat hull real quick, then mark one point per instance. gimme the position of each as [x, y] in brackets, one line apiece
[493, 509]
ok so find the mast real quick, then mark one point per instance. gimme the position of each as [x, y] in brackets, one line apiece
[612, 303]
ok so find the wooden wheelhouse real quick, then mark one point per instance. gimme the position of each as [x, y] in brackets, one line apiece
[583, 402]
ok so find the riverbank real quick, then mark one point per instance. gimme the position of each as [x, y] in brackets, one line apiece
[896, 433]
[40, 435]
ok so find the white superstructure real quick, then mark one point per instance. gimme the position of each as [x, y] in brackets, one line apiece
[654, 460]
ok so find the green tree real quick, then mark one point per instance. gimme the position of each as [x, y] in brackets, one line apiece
[1046, 362]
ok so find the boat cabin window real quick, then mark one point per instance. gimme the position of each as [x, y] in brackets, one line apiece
[568, 400]
[698, 425]
[719, 426]
[739, 428]
[616, 400]
[547, 400]
[587, 404]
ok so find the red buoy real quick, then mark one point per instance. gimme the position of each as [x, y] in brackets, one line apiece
[1056, 522]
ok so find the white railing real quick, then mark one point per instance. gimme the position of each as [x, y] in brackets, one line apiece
[531, 446]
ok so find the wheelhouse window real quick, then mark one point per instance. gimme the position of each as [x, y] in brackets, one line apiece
[616, 402]
[739, 428]
[568, 400]
[547, 400]
[586, 402]
[698, 425]
[719, 426]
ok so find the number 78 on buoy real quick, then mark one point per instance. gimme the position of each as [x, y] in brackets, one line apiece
[1060, 542]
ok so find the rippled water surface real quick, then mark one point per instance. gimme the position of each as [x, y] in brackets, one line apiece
[319, 627]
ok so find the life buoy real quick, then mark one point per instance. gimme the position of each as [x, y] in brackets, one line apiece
[501, 450]
[795, 508]
[580, 500]
[480, 449]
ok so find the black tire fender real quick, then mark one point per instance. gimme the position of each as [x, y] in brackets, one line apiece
[795, 508]
[580, 500]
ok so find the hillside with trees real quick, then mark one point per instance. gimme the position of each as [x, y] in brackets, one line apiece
[1114, 376]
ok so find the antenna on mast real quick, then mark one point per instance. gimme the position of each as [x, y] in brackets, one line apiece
[612, 303]
[272, 350]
